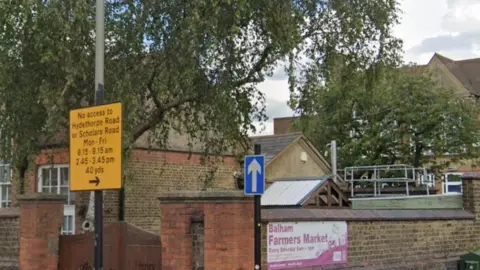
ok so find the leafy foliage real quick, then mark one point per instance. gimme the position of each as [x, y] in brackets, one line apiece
[353, 90]
[385, 115]
[187, 66]
[190, 66]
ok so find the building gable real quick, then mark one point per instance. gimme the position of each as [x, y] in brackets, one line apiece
[273, 145]
[298, 159]
[448, 74]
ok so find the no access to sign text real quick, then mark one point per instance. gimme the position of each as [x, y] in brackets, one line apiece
[96, 148]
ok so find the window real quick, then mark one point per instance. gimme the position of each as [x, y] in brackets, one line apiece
[5, 185]
[68, 227]
[452, 183]
[427, 179]
[55, 179]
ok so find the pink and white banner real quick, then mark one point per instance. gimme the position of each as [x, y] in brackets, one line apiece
[302, 244]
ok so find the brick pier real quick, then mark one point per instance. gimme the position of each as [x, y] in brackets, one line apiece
[213, 230]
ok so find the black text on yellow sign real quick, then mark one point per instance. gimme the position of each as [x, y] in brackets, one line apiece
[96, 148]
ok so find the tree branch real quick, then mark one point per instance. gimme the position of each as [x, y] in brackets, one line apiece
[56, 104]
[158, 114]
[149, 86]
[257, 67]
[425, 130]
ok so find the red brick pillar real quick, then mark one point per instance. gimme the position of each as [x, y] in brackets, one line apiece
[471, 192]
[41, 217]
[213, 230]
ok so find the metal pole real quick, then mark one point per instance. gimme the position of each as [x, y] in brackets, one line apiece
[257, 220]
[99, 77]
[333, 157]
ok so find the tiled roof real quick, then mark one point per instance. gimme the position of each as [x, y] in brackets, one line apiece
[272, 145]
[466, 71]
[305, 214]
[291, 192]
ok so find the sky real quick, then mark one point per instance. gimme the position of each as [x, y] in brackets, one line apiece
[448, 27]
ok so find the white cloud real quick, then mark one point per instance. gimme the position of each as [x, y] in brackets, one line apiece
[277, 96]
[449, 27]
[462, 16]
[419, 20]
[265, 128]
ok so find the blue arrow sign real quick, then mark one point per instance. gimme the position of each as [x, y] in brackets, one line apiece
[254, 175]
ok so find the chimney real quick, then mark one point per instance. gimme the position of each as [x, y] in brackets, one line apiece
[283, 125]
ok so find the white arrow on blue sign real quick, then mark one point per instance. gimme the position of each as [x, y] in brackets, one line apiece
[254, 175]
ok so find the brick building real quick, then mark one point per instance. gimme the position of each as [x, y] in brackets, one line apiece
[150, 172]
[146, 172]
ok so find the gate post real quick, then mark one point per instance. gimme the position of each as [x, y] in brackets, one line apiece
[207, 229]
[471, 192]
[41, 218]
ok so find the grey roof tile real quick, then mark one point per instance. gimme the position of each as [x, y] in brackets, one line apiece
[272, 145]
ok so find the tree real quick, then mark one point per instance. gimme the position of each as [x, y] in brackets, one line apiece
[384, 115]
[191, 66]
[353, 90]
[175, 65]
[188, 66]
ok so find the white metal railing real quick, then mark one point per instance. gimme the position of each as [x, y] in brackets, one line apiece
[381, 176]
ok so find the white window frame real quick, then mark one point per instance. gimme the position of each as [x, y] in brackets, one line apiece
[6, 185]
[69, 208]
[446, 184]
[68, 213]
[429, 180]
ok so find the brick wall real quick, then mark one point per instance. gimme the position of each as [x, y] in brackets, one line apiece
[410, 244]
[9, 239]
[399, 239]
[227, 230]
[283, 125]
[402, 244]
[30, 186]
[151, 173]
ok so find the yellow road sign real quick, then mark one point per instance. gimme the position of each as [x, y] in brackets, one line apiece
[96, 148]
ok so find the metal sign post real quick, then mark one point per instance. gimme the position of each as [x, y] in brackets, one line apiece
[254, 175]
[99, 81]
[96, 141]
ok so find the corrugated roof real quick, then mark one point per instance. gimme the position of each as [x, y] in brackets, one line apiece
[272, 145]
[291, 192]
